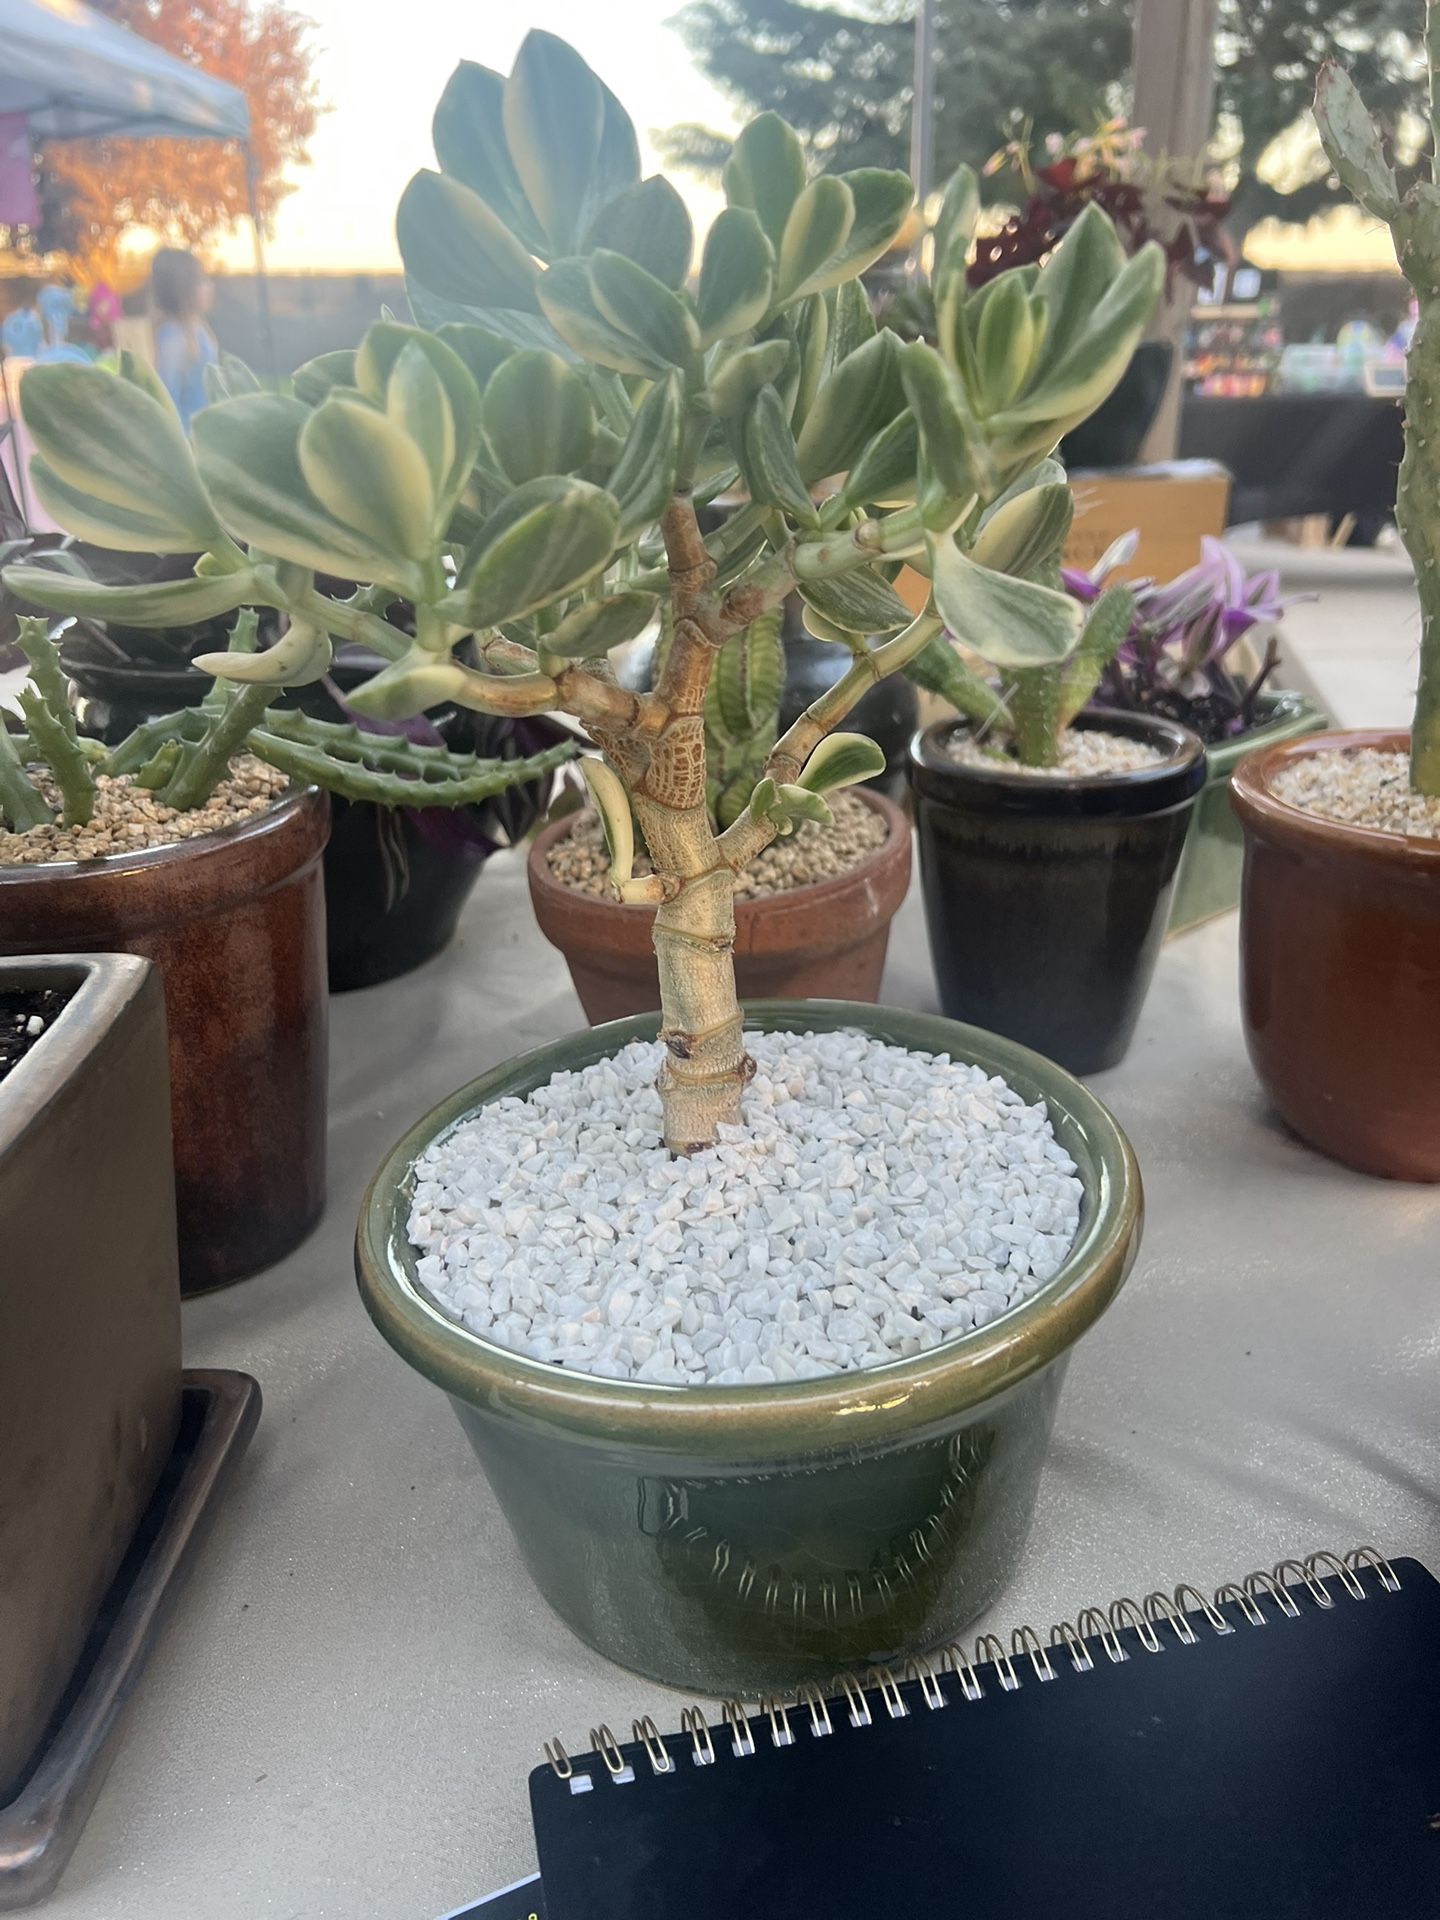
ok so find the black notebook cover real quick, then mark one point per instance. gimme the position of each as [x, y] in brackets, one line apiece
[1288, 1770]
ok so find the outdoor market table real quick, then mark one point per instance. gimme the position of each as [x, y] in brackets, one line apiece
[338, 1721]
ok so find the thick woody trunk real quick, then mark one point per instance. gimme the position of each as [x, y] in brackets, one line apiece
[706, 1066]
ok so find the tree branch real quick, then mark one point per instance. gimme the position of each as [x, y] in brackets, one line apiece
[699, 630]
[741, 841]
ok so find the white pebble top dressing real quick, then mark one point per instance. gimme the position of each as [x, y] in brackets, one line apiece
[876, 1202]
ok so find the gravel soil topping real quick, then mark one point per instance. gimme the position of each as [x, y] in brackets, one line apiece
[1082, 754]
[876, 1203]
[1360, 787]
[812, 853]
[129, 819]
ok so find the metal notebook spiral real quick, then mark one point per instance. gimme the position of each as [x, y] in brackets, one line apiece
[854, 1698]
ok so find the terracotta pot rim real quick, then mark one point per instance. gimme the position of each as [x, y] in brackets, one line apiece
[874, 1404]
[1149, 789]
[1263, 812]
[147, 859]
[544, 883]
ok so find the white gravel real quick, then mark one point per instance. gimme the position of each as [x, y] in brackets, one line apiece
[876, 1202]
[1085, 753]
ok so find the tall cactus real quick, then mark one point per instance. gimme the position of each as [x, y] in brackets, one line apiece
[1352, 143]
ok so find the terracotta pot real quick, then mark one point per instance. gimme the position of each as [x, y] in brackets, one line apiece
[1340, 971]
[883, 1510]
[89, 1320]
[826, 941]
[1046, 897]
[236, 924]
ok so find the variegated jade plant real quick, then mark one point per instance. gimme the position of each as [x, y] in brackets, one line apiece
[525, 467]
[1353, 146]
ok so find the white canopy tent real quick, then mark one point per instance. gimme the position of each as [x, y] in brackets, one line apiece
[77, 76]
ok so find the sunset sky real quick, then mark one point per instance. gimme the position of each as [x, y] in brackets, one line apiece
[380, 70]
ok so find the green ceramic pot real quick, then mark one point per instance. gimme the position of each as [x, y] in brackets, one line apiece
[734, 1540]
[1209, 879]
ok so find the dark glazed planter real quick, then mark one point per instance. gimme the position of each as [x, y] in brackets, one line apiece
[738, 1539]
[826, 941]
[235, 921]
[1340, 971]
[1209, 879]
[89, 1320]
[394, 886]
[1046, 898]
[1114, 434]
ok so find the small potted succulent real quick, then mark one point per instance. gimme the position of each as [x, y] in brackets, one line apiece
[196, 841]
[812, 911]
[1190, 656]
[1340, 912]
[1050, 832]
[695, 1281]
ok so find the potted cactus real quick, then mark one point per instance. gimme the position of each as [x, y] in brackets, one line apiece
[1050, 831]
[650, 1262]
[196, 840]
[1340, 911]
[812, 912]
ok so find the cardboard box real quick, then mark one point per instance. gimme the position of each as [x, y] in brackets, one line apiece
[1170, 505]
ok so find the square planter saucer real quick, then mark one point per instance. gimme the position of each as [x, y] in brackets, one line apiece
[40, 1826]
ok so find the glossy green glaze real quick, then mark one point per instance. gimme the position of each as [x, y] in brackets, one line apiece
[738, 1539]
[1208, 882]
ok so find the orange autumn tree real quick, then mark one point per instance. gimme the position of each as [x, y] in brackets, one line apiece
[190, 190]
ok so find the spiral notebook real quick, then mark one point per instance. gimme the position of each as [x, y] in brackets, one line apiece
[1273, 1751]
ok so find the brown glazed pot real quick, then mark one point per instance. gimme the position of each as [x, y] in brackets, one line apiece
[235, 922]
[1340, 971]
[89, 1319]
[825, 941]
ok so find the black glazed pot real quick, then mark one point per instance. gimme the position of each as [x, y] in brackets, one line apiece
[395, 880]
[1045, 897]
[1115, 432]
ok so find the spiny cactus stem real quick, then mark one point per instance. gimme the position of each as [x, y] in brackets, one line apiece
[58, 747]
[1417, 512]
[315, 766]
[22, 805]
[141, 746]
[391, 753]
[203, 762]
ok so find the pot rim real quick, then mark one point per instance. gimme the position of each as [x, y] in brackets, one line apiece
[869, 1405]
[1282, 709]
[1149, 789]
[280, 810]
[1264, 813]
[544, 883]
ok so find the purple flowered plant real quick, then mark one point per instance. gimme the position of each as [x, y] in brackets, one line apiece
[1177, 660]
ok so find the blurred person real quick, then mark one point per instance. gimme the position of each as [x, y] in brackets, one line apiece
[184, 344]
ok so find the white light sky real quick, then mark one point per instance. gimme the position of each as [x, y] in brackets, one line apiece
[380, 66]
